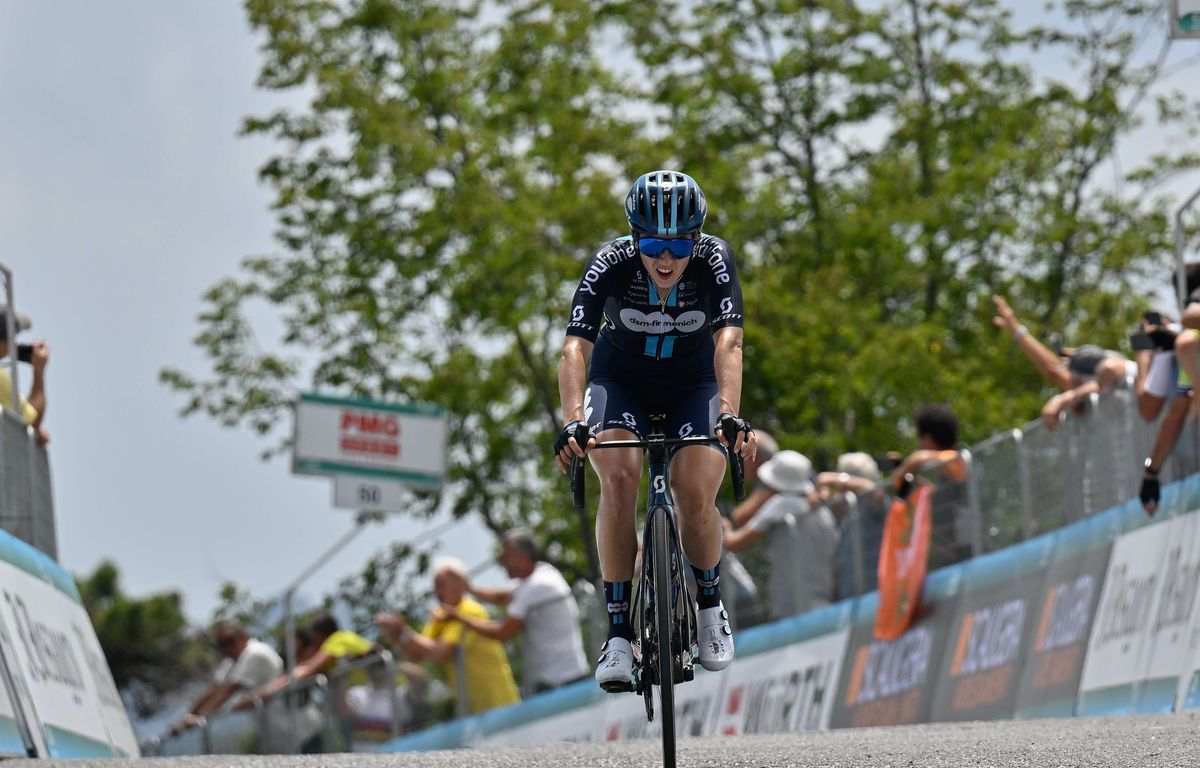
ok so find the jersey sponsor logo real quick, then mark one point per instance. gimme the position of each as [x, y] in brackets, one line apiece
[601, 263]
[717, 262]
[661, 322]
[577, 314]
[587, 405]
[628, 420]
[686, 430]
[726, 305]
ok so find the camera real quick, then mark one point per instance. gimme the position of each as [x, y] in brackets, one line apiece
[1140, 341]
[1159, 337]
[25, 352]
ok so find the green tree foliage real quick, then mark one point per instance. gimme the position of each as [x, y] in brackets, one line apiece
[149, 647]
[881, 168]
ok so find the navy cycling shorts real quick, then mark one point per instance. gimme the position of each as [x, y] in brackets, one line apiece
[623, 390]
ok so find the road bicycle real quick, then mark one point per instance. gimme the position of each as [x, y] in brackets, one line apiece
[665, 645]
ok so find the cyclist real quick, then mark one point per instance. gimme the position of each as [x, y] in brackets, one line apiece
[670, 342]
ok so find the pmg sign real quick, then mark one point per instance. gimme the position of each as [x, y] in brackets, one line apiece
[398, 441]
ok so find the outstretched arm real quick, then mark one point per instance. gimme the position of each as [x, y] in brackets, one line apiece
[1043, 358]
[493, 595]
[496, 630]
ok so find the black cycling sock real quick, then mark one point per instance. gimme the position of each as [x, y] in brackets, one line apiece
[708, 586]
[616, 595]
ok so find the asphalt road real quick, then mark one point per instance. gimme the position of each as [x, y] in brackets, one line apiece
[1152, 741]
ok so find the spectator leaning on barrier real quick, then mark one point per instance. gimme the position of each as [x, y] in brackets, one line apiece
[540, 607]
[33, 406]
[1079, 372]
[247, 664]
[1168, 359]
[489, 680]
[332, 645]
[938, 456]
[369, 707]
[861, 530]
[803, 537]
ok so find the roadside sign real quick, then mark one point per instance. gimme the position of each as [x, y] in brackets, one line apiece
[402, 442]
[369, 494]
[1185, 19]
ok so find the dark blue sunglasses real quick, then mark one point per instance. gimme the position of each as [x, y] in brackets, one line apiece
[680, 248]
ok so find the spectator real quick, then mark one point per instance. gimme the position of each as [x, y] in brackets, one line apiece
[767, 448]
[1079, 372]
[938, 455]
[860, 536]
[332, 645]
[489, 680]
[33, 407]
[743, 601]
[1168, 366]
[248, 664]
[541, 608]
[803, 537]
[370, 708]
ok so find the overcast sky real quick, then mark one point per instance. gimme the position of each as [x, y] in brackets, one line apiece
[124, 194]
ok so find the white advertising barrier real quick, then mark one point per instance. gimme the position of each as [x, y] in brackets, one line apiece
[11, 740]
[335, 436]
[1141, 638]
[788, 690]
[783, 690]
[52, 654]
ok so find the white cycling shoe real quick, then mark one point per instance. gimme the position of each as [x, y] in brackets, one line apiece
[614, 670]
[715, 638]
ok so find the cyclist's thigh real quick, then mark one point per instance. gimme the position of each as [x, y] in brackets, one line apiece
[612, 404]
[696, 475]
[613, 412]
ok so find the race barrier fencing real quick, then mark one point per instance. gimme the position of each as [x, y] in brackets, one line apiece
[1098, 617]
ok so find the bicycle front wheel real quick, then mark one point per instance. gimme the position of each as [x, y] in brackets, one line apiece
[664, 630]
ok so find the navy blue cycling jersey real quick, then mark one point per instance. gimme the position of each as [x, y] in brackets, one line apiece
[637, 320]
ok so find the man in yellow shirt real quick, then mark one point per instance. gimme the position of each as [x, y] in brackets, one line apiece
[489, 680]
[33, 407]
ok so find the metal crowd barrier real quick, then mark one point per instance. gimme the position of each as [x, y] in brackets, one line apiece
[308, 716]
[1022, 483]
[26, 501]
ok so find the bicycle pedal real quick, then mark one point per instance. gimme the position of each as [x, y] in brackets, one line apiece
[618, 686]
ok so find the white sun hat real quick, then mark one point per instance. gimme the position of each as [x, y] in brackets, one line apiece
[788, 472]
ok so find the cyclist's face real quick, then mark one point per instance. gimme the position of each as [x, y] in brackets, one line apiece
[661, 256]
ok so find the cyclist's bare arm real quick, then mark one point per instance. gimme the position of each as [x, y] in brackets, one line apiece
[572, 381]
[728, 364]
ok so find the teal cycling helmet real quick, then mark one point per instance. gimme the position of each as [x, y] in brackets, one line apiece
[665, 203]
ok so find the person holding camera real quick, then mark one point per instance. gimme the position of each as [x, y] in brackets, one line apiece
[1168, 356]
[33, 406]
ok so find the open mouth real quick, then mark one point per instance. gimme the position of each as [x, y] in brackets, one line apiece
[667, 272]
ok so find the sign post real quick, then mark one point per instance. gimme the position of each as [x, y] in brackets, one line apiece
[375, 452]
